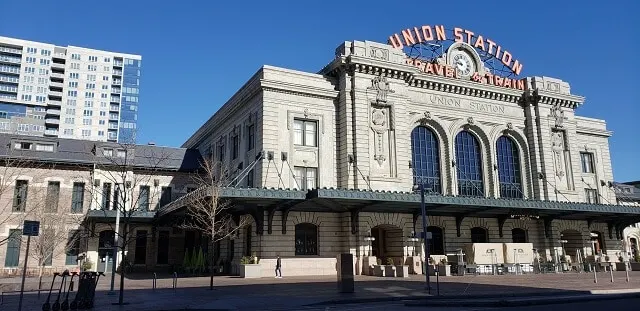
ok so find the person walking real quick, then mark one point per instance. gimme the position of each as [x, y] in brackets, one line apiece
[278, 268]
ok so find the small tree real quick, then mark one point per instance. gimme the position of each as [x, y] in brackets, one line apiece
[208, 211]
[127, 167]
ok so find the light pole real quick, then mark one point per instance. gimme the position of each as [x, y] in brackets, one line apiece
[424, 232]
[115, 253]
[369, 239]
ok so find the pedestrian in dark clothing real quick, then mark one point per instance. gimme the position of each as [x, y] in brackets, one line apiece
[278, 270]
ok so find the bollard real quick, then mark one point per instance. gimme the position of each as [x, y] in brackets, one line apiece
[626, 270]
[155, 280]
[175, 280]
[437, 282]
[595, 275]
[611, 272]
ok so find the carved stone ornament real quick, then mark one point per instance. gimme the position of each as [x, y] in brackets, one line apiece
[427, 115]
[510, 126]
[306, 112]
[557, 145]
[558, 115]
[381, 86]
[470, 120]
[378, 125]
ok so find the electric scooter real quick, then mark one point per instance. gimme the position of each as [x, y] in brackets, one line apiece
[56, 304]
[46, 306]
[65, 303]
[82, 279]
[92, 291]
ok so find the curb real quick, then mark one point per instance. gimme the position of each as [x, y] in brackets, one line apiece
[438, 299]
[520, 303]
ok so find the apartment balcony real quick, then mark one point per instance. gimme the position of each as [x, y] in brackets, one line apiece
[10, 50]
[9, 69]
[56, 84]
[117, 72]
[59, 56]
[8, 79]
[117, 63]
[116, 82]
[58, 76]
[53, 93]
[51, 121]
[51, 132]
[55, 102]
[54, 112]
[115, 90]
[10, 59]
[114, 108]
[115, 100]
[57, 66]
[8, 88]
[113, 126]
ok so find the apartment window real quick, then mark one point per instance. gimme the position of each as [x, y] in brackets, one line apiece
[86, 133]
[72, 247]
[43, 71]
[90, 86]
[23, 127]
[20, 196]
[68, 132]
[30, 60]
[32, 50]
[41, 99]
[69, 120]
[12, 257]
[27, 88]
[165, 196]
[41, 90]
[93, 58]
[77, 197]
[71, 102]
[251, 137]
[105, 78]
[103, 113]
[73, 83]
[44, 61]
[105, 87]
[235, 145]
[91, 78]
[75, 56]
[306, 177]
[44, 147]
[88, 104]
[72, 93]
[100, 133]
[45, 53]
[591, 195]
[107, 60]
[87, 113]
[70, 111]
[103, 96]
[26, 97]
[29, 70]
[101, 122]
[53, 196]
[75, 66]
[92, 67]
[106, 196]
[89, 94]
[141, 247]
[121, 153]
[163, 248]
[86, 121]
[586, 158]
[143, 199]
[305, 133]
[74, 75]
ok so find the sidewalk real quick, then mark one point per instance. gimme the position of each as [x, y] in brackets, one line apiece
[232, 293]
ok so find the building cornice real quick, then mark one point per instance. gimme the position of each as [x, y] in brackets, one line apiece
[298, 89]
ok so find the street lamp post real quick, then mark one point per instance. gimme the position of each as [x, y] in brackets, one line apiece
[424, 232]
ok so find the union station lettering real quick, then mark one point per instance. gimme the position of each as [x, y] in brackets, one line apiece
[410, 37]
[450, 72]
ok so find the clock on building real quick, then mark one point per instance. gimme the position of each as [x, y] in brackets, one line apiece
[463, 63]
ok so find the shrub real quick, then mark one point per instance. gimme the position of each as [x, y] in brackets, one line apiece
[390, 261]
[443, 261]
[87, 265]
[379, 262]
[245, 260]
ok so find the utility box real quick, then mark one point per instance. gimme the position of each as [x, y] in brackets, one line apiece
[345, 273]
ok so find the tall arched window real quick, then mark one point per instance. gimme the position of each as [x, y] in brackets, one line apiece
[425, 159]
[306, 239]
[518, 235]
[469, 165]
[509, 168]
[479, 235]
[436, 243]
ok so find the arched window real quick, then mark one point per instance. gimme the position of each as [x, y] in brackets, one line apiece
[436, 243]
[469, 165]
[306, 239]
[509, 168]
[479, 235]
[425, 159]
[518, 235]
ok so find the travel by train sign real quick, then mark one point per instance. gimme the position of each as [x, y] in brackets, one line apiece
[430, 38]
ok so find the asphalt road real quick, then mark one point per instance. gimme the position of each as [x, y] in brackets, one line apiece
[622, 304]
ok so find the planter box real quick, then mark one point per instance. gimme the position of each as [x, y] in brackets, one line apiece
[402, 271]
[390, 271]
[444, 270]
[379, 270]
[635, 266]
[250, 271]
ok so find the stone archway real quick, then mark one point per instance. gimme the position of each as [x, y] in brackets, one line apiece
[573, 243]
[388, 243]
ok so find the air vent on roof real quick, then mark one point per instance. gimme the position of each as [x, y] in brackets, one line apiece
[151, 143]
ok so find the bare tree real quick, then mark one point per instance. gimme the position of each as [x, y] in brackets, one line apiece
[208, 211]
[127, 167]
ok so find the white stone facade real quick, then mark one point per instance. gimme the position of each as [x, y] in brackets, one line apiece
[365, 143]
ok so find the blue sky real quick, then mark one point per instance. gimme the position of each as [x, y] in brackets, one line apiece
[196, 54]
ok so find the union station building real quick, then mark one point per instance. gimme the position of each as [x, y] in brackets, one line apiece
[334, 162]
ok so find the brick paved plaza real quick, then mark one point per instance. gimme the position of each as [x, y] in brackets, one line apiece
[234, 293]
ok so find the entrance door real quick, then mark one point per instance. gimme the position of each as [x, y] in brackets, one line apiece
[105, 251]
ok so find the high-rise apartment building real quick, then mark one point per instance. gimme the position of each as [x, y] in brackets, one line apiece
[69, 92]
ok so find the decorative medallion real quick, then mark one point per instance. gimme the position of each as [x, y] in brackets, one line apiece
[558, 114]
[427, 115]
[510, 126]
[381, 86]
[470, 120]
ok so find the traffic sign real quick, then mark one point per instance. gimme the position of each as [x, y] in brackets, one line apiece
[31, 228]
